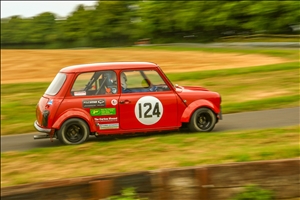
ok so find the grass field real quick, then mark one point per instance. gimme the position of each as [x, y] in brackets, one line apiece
[247, 80]
[148, 153]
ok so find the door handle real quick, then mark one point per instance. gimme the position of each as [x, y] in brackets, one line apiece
[125, 102]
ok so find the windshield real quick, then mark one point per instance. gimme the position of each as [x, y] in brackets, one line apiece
[169, 79]
[56, 84]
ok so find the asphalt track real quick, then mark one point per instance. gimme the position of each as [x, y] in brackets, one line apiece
[238, 121]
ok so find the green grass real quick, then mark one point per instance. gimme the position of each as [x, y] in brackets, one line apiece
[18, 102]
[148, 152]
[264, 104]
[252, 88]
[231, 72]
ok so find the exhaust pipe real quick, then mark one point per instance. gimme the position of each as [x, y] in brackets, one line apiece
[40, 137]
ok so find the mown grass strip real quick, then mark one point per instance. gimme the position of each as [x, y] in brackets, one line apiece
[148, 152]
[262, 104]
[17, 88]
[230, 72]
[7, 89]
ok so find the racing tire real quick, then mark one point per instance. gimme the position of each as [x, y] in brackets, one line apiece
[202, 120]
[73, 131]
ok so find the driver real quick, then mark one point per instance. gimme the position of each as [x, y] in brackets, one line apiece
[123, 81]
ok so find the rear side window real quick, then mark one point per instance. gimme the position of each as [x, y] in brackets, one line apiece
[56, 84]
[95, 83]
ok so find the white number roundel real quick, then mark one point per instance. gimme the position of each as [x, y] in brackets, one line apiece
[148, 110]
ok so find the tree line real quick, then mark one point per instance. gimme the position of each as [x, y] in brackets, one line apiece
[121, 23]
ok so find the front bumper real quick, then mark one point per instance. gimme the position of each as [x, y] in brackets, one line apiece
[40, 129]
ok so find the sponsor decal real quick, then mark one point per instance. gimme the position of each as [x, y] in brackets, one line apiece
[114, 102]
[81, 93]
[93, 103]
[108, 126]
[103, 111]
[148, 110]
[106, 119]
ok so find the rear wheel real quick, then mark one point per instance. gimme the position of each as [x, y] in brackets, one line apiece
[203, 120]
[73, 131]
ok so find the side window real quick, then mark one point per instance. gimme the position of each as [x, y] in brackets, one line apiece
[142, 81]
[135, 80]
[95, 83]
[79, 87]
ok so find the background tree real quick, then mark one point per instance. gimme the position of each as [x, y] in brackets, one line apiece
[15, 30]
[112, 21]
[42, 29]
[117, 23]
[272, 16]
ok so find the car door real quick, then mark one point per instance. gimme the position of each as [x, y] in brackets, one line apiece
[98, 95]
[144, 106]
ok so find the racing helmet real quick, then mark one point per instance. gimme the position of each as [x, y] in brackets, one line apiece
[110, 78]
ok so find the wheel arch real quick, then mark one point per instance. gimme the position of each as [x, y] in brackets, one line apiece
[188, 112]
[75, 113]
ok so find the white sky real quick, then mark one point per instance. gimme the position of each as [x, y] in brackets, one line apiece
[32, 8]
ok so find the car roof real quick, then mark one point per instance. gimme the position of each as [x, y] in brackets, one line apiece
[107, 66]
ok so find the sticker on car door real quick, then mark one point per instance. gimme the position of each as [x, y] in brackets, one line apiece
[148, 110]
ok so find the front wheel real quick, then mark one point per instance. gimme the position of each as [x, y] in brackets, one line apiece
[73, 131]
[203, 120]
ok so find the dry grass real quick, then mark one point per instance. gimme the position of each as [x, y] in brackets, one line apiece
[42, 65]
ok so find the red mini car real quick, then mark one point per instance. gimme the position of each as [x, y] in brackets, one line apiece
[120, 98]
